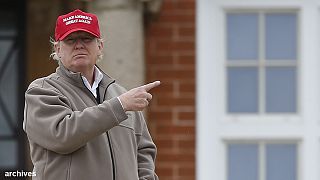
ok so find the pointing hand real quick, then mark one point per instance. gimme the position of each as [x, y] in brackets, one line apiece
[138, 98]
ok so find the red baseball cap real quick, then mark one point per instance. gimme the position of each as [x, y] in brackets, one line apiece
[76, 20]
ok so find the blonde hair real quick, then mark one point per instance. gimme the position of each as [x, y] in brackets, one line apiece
[55, 56]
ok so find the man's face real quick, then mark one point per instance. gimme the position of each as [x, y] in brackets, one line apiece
[79, 51]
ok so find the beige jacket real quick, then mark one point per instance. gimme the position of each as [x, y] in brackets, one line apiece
[73, 137]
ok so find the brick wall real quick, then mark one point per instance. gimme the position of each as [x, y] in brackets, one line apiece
[170, 57]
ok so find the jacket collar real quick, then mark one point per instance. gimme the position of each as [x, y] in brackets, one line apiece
[75, 77]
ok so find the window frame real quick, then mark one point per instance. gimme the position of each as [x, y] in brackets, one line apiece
[262, 144]
[262, 63]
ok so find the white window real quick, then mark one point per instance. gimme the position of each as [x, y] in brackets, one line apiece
[262, 161]
[261, 61]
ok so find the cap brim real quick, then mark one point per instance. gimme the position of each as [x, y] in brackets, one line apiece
[74, 30]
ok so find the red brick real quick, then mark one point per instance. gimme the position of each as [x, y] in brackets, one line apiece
[158, 25]
[186, 144]
[160, 31]
[176, 130]
[186, 171]
[164, 143]
[161, 60]
[188, 87]
[181, 101]
[176, 5]
[184, 178]
[171, 73]
[165, 171]
[160, 116]
[164, 46]
[186, 60]
[186, 115]
[177, 18]
[184, 31]
[175, 157]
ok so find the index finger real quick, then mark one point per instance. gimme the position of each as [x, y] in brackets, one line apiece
[149, 86]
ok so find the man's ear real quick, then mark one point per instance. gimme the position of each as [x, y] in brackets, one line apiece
[100, 46]
[57, 48]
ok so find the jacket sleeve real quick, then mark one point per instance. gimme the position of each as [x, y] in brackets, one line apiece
[50, 122]
[146, 155]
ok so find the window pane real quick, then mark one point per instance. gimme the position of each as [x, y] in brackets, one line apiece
[7, 27]
[242, 89]
[243, 162]
[281, 162]
[281, 36]
[8, 154]
[4, 126]
[5, 45]
[242, 36]
[9, 87]
[281, 89]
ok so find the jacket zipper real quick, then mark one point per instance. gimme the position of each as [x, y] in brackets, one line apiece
[112, 158]
[110, 144]
[108, 135]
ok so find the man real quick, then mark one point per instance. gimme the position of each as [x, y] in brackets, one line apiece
[80, 123]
